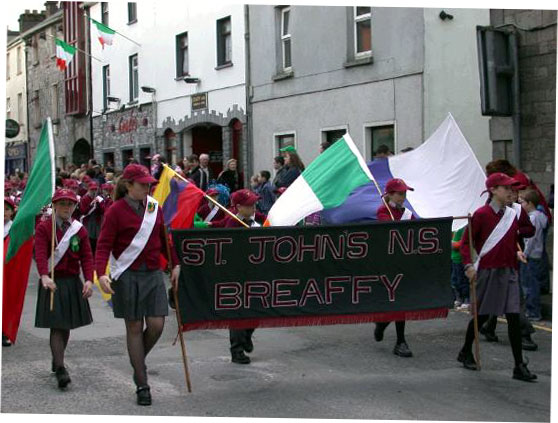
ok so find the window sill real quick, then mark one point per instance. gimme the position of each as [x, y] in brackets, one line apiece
[132, 103]
[368, 60]
[182, 77]
[283, 75]
[132, 22]
[224, 65]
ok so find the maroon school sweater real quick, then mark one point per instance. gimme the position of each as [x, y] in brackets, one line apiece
[383, 214]
[70, 262]
[229, 222]
[504, 254]
[119, 227]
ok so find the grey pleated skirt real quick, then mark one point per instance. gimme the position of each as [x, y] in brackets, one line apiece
[139, 294]
[70, 309]
[497, 291]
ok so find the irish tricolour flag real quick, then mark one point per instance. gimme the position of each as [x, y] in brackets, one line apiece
[64, 54]
[104, 33]
[19, 252]
[325, 184]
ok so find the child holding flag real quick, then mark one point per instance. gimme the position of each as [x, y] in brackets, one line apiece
[70, 307]
[393, 209]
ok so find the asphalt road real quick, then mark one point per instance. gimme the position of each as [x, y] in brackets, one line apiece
[306, 372]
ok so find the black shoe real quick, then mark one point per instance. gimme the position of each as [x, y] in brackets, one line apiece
[468, 360]
[143, 394]
[379, 332]
[521, 372]
[402, 350]
[5, 341]
[490, 336]
[248, 345]
[528, 344]
[63, 377]
[240, 358]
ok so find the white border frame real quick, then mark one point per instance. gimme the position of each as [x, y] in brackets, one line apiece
[367, 140]
[332, 128]
[284, 38]
[278, 134]
[356, 19]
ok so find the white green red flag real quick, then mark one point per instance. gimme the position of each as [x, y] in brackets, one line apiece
[18, 246]
[104, 33]
[325, 184]
[64, 54]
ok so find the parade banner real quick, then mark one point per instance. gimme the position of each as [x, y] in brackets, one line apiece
[315, 275]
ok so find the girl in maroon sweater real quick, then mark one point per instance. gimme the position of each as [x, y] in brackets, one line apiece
[71, 307]
[395, 195]
[495, 231]
[133, 238]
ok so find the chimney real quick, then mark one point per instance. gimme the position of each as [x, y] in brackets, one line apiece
[51, 8]
[29, 19]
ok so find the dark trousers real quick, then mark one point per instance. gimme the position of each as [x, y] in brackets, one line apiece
[459, 282]
[238, 338]
[531, 282]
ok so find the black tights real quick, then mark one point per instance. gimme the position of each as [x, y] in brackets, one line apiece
[399, 329]
[514, 334]
[58, 343]
[140, 342]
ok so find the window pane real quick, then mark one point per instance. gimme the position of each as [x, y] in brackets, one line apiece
[362, 10]
[285, 140]
[226, 26]
[185, 61]
[364, 36]
[132, 12]
[228, 49]
[287, 53]
[286, 15]
[382, 135]
[332, 136]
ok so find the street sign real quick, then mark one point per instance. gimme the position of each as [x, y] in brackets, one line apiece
[199, 101]
[12, 128]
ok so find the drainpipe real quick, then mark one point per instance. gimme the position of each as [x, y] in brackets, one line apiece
[89, 79]
[516, 116]
[247, 90]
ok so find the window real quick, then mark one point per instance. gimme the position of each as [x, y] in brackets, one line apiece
[36, 110]
[8, 108]
[363, 34]
[54, 102]
[7, 66]
[134, 83]
[35, 49]
[106, 86]
[20, 109]
[104, 13]
[333, 135]
[182, 55]
[381, 137]
[75, 85]
[286, 39]
[224, 41]
[132, 12]
[284, 140]
[19, 61]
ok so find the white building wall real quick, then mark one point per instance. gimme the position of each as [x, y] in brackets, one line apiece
[16, 84]
[451, 76]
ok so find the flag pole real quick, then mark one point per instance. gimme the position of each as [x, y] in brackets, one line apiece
[122, 35]
[178, 319]
[78, 49]
[52, 257]
[474, 296]
[207, 197]
[381, 196]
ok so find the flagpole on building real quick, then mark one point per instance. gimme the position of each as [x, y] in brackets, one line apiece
[474, 296]
[178, 319]
[78, 49]
[207, 197]
[122, 35]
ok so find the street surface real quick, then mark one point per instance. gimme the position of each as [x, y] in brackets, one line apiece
[307, 372]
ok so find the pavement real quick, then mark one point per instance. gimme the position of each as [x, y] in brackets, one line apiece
[304, 372]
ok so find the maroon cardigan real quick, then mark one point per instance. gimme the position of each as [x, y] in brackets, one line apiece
[383, 213]
[119, 227]
[69, 265]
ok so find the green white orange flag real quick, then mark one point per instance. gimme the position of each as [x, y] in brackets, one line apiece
[64, 54]
[19, 249]
[325, 184]
[104, 33]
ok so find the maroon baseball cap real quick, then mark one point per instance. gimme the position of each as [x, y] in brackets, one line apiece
[500, 179]
[93, 185]
[107, 187]
[64, 194]
[212, 191]
[397, 185]
[244, 197]
[138, 173]
[10, 202]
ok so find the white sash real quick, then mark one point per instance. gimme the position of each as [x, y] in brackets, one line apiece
[407, 214]
[64, 243]
[132, 251]
[7, 227]
[517, 208]
[497, 234]
[211, 214]
[99, 200]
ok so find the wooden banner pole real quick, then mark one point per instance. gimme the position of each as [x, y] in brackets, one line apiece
[473, 283]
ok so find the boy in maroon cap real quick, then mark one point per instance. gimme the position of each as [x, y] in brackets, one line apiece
[245, 202]
[495, 231]
[71, 307]
[133, 237]
[395, 195]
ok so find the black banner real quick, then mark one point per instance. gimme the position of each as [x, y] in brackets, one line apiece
[316, 275]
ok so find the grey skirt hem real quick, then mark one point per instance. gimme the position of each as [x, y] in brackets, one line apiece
[139, 294]
[498, 291]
